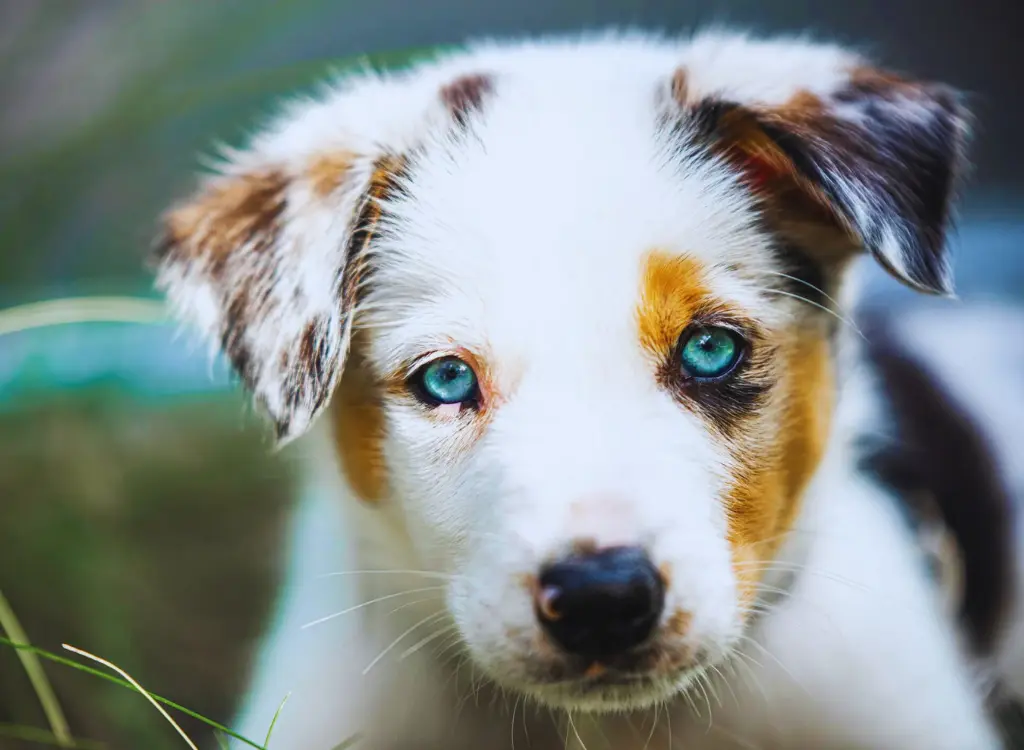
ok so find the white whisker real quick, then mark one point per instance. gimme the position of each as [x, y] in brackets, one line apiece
[829, 310]
[806, 283]
[395, 642]
[424, 641]
[355, 607]
[425, 573]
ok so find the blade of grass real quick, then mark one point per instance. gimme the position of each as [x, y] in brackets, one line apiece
[135, 685]
[110, 678]
[350, 742]
[42, 737]
[34, 669]
[81, 310]
[273, 722]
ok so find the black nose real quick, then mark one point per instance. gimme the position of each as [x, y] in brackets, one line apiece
[601, 604]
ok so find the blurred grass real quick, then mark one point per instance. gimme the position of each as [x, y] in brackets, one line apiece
[149, 533]
[10, 625]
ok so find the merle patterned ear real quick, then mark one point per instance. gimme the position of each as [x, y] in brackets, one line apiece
[882, 153]
[267, 259]
[266, 262]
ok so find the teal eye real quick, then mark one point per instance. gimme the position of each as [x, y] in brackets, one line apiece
[446, 381]
[710, 352]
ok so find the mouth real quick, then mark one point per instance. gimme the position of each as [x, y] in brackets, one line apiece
[599, 686]
[610, 692]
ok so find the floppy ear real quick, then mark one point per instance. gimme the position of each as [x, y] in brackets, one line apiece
[880, 154]
[266, 260]
[267, 257]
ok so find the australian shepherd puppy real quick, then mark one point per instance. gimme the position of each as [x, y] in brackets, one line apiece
[565, 322]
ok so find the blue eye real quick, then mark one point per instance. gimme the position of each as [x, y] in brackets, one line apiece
[446, 381]
[710, 352]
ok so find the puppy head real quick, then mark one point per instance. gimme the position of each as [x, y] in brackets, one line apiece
[585, 294]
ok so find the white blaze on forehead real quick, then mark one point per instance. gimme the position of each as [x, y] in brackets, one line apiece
[534, 226]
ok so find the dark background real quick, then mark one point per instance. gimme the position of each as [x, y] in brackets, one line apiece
[142, 515]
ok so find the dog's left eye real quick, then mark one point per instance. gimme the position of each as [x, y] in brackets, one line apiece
[710, 352]
[445, 381]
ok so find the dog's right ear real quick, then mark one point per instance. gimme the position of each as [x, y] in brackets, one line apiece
[266, 261]
[267, 257]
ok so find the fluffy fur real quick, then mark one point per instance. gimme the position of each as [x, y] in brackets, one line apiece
[558, 214]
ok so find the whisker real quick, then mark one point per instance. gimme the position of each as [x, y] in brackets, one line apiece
[512, 724]
[413, 603]
[742, 658]
[808, 284]
[654, 725]
[823, 308]
[726, 682]
[425, 573]
[760, 647]
[579, 739]
[355, 607]
[707, 700]
[426, 640]
[386, 651]
[782, 566]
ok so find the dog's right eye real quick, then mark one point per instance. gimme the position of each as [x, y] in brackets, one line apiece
[445, 381]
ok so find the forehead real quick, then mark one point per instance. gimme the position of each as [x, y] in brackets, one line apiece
[540, 216]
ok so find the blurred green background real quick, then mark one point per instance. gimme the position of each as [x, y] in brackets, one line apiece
[143, 516]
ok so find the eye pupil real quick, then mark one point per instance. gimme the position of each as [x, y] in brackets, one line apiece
[709, 352]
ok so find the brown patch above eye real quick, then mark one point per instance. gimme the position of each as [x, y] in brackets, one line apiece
[672, 294]
[673, 299]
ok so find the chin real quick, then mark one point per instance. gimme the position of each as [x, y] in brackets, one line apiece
[609, 691]
[609, 698]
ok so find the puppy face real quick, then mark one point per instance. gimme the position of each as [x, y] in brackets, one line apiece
[584, 294]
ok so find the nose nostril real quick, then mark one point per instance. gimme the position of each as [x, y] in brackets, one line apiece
[600, 604]
[547, 603]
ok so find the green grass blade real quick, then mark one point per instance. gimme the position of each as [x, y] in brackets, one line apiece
[273, 722]
[29, 661]
[42, 737]
[118, 681]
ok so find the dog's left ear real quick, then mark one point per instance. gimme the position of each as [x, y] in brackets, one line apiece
[880, 153]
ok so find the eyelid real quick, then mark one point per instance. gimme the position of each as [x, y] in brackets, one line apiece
[744, 327]
[425, 359]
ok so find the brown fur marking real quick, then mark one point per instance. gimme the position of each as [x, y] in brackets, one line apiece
[672, 294]
[680, 88]
[465, 95]
[227, 215]
[327, 171]
[768, 484]
[386, 173]
[358, 421]
[673, 297]
[678, 624]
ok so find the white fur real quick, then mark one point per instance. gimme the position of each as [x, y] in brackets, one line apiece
[523, 240]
